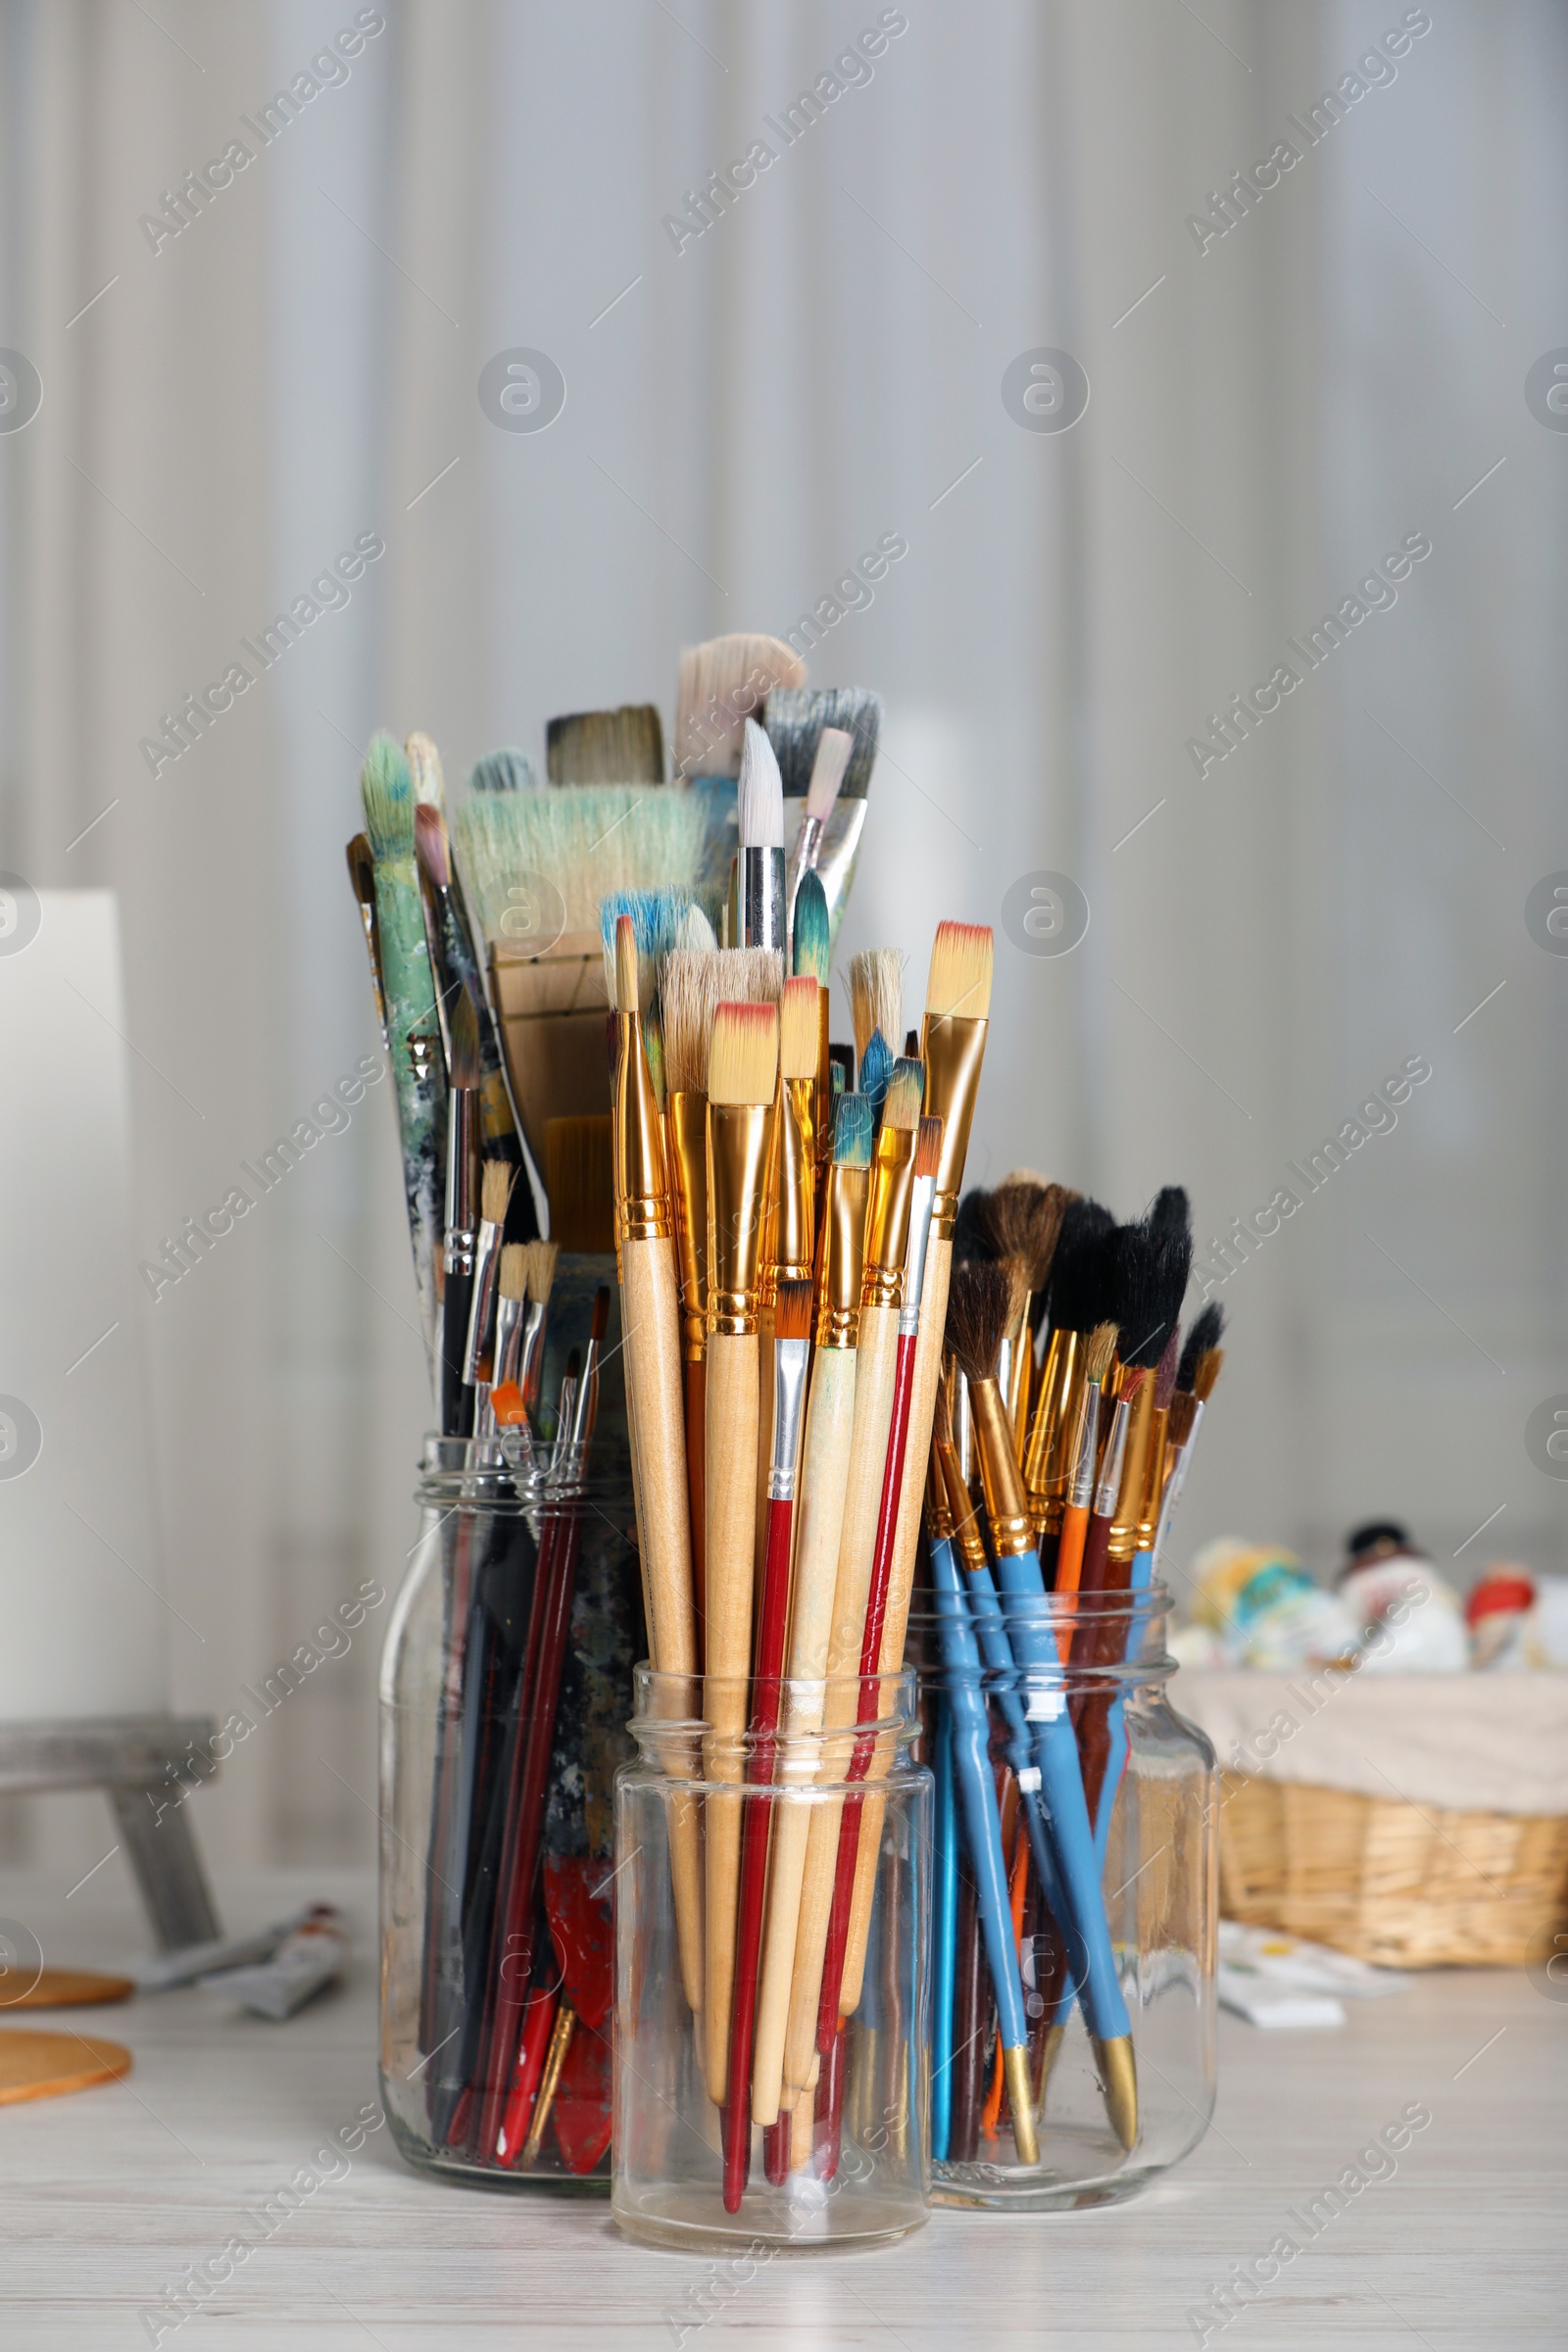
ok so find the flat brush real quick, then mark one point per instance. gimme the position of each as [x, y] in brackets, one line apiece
[606, 747]
[798, 716]
[419, 1072]
[495, 1187]
[829, 1430]
[504, 772]
[759, 816]
[789, 1233]
[833, 749]
[792, 1348]
[978, 1312]
[461, 1220]
[362, 874]
[742, 1070]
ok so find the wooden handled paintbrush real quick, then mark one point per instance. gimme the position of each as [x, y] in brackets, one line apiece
[742, 1070]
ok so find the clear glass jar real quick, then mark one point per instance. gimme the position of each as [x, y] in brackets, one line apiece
[1153, 1873]
[847, 2162]
[505, 1688]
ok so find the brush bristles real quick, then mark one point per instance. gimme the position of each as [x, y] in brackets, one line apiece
[513, 1277]
[928, 1147]
[854, 1132]
[720, 683]
[982, 1306]
[586, 844]
[693, 934]
[430, 844]
[1082, 1292]
[1098, 1352]
[759, 797]
[796, 717]
[876, 995]
[833, 749]
[495, 1190]
[1166, 1375]
[750, 975]
[798, 1030]
[905, 1094]
[792, 1316]
[743, 1057]
[386, 792]
[504, 772]
[1130, 1380]
[425, 770]
[692, 985]
[465, 1067]
[657, 917]
[1023, 1219]
[540, 1268]
[960, 983]
[1152, 1260]
[628, 992]
[1203, 1334]
[875, 1067]
[814, 936]
[606, 747]
[1206, 1373]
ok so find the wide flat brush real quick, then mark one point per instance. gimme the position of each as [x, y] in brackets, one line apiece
[829, 1430]
[886, 1236]
[606, 747]
[418, 1070]
[791, 1350]
[650, 1321]
[978, 1314]
[742, 1070]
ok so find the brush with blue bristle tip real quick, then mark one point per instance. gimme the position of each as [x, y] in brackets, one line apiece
[504, 772]
[413, 1035]
[810, 954]
[876, 1004]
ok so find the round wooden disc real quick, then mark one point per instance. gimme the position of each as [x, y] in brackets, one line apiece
[44, 2066]
[70, 1989]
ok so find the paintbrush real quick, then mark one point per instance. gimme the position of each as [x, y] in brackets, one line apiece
[508, 1336]
[759, 816]
[830, 1428]
[792, 1348]
[833, 749]
[461, 1219]
[644, 1233]
[722, 684]
[873, 1068]
[606, 747]
[810, 957]
[742, 1070]
[797, 719]
[418, 1071]
[788, 1232]
[1081, 1295]
[425, 771]
[876, 1000]
[1149, 1266]
[978, 1312]
[1202, 1357]
[504, 772]
[1022, 1219]
[886, 1616]
[362, 874]
[495, 1187]
[887, 1226]
[1083, 1456]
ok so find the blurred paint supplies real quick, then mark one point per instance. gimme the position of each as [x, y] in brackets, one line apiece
[302, 1965]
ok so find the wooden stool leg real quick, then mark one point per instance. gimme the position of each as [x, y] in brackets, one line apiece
[169, 1869]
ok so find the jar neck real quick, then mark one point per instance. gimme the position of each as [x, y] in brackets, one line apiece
[1102, 1640]
[681, 1721]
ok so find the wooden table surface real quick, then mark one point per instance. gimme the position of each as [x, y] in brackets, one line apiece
[104, 2196]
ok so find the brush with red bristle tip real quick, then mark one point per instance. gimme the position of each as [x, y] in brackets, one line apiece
[842, 1968]
[792, 1348]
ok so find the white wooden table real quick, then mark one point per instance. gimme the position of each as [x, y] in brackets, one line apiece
[105, 2196]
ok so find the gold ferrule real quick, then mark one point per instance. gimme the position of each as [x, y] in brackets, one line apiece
[1154, 1480]
[1062, 1358]
[642, 1187]
[686, 1124]
[1012, 1530]
[1123, 1540]
[938, 1510]
[825, 1091]
[952, 1050]
[1020, 1375]
[966, 1529]
[1060, 1455]
[793, 1231]
[767, 1247]
[887, 1216]
[838, 1313]
[740, 1146]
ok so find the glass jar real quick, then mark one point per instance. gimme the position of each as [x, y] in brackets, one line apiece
[1104, 2123]
[756, 1821]
[506, 1686]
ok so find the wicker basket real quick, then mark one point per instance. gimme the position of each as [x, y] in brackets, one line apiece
[1386, 1880]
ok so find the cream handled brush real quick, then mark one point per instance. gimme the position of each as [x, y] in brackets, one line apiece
[759, 814]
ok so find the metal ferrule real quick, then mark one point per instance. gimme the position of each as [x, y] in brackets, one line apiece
[965, 1519]
[1086, 1449]
[938, 1510]
[807, 845]
[642, 1187]
[963, 1427]
[1123, 1540]
[561, 1452]
[740, 1138]
[1017, 1366]
[486, 1270]
[531, 1355]
[462, 1207]
[922, 1199]
[794, 1235]
[1012, 1529]
[586, 1412]
[508, 1340]
[887, 1216]
[789, 1357]
[952, 1050]
[686, 1124]
[760, 898]
[1153, 1482]
[838, 1313]
[1062, 1352]
[1111, 1468]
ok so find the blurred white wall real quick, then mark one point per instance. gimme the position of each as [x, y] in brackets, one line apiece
[1269, 417]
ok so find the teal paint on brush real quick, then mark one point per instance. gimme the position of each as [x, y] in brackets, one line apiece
[876, 1068]
[812, 947]
[413, 1035]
